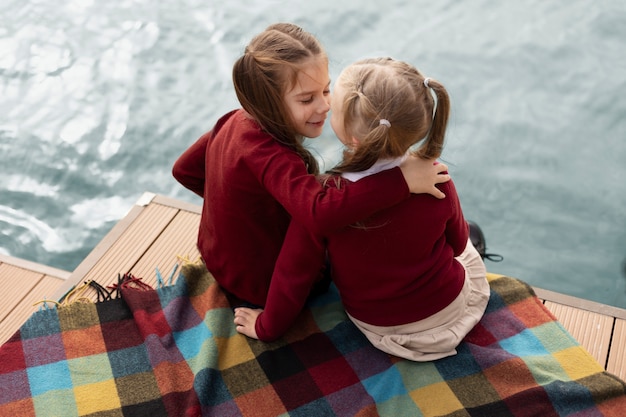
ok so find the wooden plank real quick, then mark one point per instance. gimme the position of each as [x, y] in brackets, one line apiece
[580, 303]
[27, 306]
[177, 241]
[22, 287]
[12, 294]
[33, 266]
[179, 204]
[617, 356]
[120, 250]
[592, 330]
[124, 252]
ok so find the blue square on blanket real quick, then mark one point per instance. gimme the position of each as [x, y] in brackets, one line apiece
[524, 344]
[189, 341]
[319, 407]
[385, 385]
[51, 377]
[347, 338]
[211, 388]
[495, 303]
[567, 398]
[129, 361]
[41, 323]
[458, 366]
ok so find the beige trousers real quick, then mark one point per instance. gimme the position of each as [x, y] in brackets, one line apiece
[437, 336]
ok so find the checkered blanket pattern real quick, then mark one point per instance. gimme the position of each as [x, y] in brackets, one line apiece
[175, 352]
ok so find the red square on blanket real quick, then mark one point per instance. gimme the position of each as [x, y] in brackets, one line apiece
[12, 357]
[262, 402]
[83, 342]
[510, 377]
[18, 408]
[531, 312]
[297, 390]
[333, 375]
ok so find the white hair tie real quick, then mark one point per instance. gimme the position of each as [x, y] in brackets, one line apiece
[384, 122]
[426, 80]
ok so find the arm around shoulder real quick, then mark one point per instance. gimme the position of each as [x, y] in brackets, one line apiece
[422, 175]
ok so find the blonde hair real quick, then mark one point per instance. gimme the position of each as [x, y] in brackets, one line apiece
[393, 91]
[268, 68]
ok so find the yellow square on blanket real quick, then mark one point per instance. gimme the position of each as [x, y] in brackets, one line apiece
[577, 362]
[233, 351]
[94, 398]
[436, 399]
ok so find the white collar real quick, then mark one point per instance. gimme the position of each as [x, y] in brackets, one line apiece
[380, 165]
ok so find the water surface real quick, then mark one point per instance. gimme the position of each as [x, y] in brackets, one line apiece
[98, 99]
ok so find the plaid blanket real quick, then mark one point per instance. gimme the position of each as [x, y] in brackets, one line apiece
[174, 351]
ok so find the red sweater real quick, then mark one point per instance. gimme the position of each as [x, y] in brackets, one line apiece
[396, 267]
[251, 186]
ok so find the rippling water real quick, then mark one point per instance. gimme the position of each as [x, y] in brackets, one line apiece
[98, 99]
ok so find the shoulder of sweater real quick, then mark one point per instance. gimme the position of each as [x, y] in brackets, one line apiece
[225, 118]
[240, 127]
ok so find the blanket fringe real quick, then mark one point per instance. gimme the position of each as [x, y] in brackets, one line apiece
[126, 281]
[75, 295]
[111, 292]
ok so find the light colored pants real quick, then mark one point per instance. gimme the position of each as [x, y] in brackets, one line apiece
[437, 336]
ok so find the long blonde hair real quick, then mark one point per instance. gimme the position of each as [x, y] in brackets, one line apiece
[394, 91]
[268, 68]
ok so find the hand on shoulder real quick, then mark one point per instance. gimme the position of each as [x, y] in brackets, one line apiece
[422, 175]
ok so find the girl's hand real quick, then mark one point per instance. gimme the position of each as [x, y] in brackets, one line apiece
[245, 320]
[422, 175]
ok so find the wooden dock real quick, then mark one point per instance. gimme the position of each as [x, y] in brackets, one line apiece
[158, 230]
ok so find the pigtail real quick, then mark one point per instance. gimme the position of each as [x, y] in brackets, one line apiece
[375, 144]
[433, 144]
[373, 138]
[389, 107]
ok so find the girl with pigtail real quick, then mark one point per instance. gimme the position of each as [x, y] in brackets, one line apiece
[255, 174]
[408, 276]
